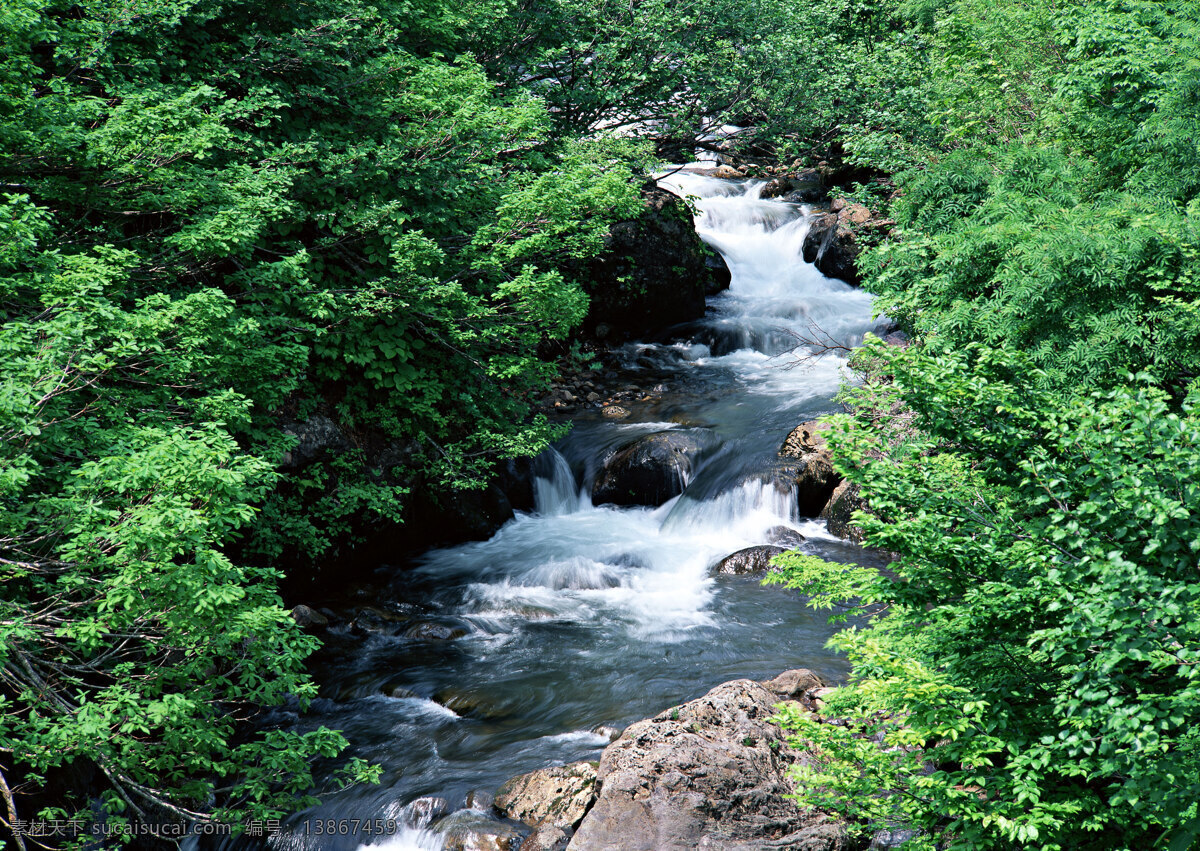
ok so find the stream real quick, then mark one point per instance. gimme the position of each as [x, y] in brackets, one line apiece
[576, 617]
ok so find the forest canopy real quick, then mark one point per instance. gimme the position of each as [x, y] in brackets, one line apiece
[219, 216]
[1032, 458]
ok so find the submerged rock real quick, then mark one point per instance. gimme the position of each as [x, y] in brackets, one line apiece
[471, 830]
[751, 560]
[648, 471]
[557, 797]
[432, 631]
[423, 811]
[707, 774]
[784, 536]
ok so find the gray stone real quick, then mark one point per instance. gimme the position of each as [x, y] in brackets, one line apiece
[808, 463]
[794, 684]
[648, 471]
[546, 838]
[710, 773]
[430, 631]
[316, 437]
[839, 510]
[423, 811]
[752, 560]
[557, 796]
[470, 830]
[307, 617]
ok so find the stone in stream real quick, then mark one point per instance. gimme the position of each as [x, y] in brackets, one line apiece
[432, 631]
[462, 701]
[609, 732]
[784, 536]
[652, 273]
[423, 811]
[712, 774]
[835, 239]
[307, 617]
[794, 684]
[648, 471]
[546, 838]
[614, 412]
[751, 560]
[471, 830]
[557, 796]
[839, 510]
[808, 464]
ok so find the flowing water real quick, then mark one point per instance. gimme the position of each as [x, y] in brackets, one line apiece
[576, 617]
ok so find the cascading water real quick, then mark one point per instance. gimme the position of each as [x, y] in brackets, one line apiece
[577, 616]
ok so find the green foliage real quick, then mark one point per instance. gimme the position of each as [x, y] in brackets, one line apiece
[216, 216]
[1039, 649]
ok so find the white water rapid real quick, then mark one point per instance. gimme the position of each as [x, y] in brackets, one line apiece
[577, 616]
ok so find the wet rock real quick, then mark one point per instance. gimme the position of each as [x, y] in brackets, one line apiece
[719, 275]
[307, 617]
[835, 239]
[373, 620]
[653, 272]
[839, 510]
[648, 471]
[614, 412]
[775, 187]
[751, 560]
[712, 774]
[480, 799]
[546, 838]
[423, 811]
[431, 631]
[783, 536]
[808, 463]
[470, 830]
[473, 704]
[805, 186]
[399, 692]
[806, 438]
[557, 796]
[794, 684]
[609, 732]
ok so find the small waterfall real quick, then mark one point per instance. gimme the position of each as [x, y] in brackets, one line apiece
[555, 490]
[577, 617]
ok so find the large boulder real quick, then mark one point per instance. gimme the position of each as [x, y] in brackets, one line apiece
[711, 773]
[471, 830]
[649, 470]
[835, 239]
[317, 438]
[653, 272]
[555, 797]
[839, 510]
[750, 561]
[807, 463]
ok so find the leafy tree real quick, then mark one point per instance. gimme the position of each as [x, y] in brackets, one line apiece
[1033, 671]
[218, 215]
